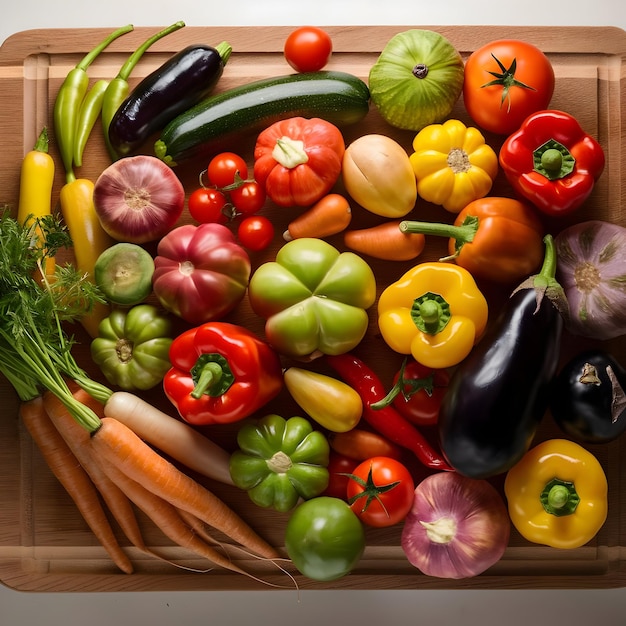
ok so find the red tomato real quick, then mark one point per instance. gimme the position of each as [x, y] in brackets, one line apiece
[422, 391]
[255, 232]
[207, 206]
[248, 198]
[308, 49]
[338, 465]
[381, 491]
[222, 168]
[505, 81]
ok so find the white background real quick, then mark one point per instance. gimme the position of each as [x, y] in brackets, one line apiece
[432, 608]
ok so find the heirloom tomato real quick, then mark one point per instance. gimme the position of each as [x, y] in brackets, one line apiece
[505, 81]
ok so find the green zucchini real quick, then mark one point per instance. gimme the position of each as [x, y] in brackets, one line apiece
[337, 97]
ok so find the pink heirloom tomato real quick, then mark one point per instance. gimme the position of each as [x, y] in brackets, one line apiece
[201, 272]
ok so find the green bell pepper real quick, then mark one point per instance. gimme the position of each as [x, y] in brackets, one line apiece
[280, 461]
[132, 347]
[313, 298]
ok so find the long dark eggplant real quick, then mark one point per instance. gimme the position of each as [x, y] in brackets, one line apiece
[498, 395]
[181, 82]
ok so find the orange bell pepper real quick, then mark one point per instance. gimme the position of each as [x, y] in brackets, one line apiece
[493, 238]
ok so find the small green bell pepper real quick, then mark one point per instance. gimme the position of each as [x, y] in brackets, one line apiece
[313, 298]
[280, 461]
[132, 347]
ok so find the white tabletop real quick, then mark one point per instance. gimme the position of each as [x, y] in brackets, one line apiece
[431, 608]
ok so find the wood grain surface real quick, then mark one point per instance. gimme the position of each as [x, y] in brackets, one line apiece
[44, 544]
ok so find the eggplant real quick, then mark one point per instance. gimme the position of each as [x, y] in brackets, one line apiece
[181, 82]
[588, 400]
[498, 395]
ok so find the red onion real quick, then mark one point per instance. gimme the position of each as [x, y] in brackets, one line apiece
[138, 199]
[458, 526]
[592, 271]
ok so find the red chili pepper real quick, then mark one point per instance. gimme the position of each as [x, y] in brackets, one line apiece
[552, 162]
[221, 373]
[417, 392]
[387, 421]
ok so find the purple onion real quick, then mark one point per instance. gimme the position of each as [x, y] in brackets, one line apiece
[458, 526]
[591, 268]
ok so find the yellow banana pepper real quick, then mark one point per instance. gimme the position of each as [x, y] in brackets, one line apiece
[435, 312]
[557, 494]
[452, 164]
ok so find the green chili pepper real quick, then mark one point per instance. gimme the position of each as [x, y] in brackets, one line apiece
[69, 99]
[89, 112]
[118, 88]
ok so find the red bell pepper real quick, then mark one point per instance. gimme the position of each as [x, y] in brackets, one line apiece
[298, 160]
[552, 162]
[221, 373]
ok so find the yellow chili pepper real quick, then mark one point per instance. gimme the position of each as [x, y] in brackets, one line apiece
[36, 181]
[435, 312]
[330, 402]
[88, 237]
[453, 164]
[557, 494]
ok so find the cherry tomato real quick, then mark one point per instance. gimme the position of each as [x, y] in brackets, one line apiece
[381, 491]
[421, 392]
[255, 232]
[222, 168]
[360, 445]
[338, 465]
[248, 198]
[207, 205]
[505, 81]
[308, 49]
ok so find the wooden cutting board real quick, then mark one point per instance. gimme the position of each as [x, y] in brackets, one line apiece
[45, 546]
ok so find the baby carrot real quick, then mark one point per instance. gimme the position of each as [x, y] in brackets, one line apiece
[119, 446]
[385, 241]
[328, 216]
[72, 476]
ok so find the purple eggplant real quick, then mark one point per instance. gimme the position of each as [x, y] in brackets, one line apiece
[181, 82]
[498, 395]
[588, 398]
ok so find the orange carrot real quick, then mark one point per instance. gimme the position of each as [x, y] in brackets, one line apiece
[328, 216]
[170, 435]
[168, 520]
[78, 440]
[119, 446]
[385, 241]
[73, 477]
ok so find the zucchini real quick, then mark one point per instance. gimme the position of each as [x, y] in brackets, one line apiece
[337, 97]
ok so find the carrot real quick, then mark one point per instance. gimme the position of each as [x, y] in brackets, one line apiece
[328, 216]
[72, 476]
[78, 440]
[385, 241]
[119, 446]
[168, 519]
[170, 435]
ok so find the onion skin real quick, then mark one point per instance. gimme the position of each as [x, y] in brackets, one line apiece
[592, 271]
[479, 526]
[138, 199]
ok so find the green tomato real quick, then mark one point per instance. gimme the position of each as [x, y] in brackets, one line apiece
[280, 461]
[313, 298]
[324, 538]
[132, 347]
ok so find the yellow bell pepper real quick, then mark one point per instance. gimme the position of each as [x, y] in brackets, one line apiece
[452, 164]
[557, 494]
[435, 312]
